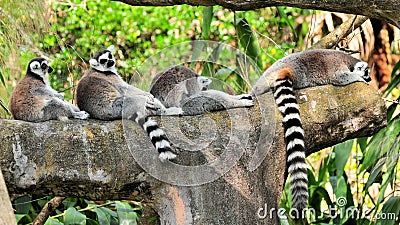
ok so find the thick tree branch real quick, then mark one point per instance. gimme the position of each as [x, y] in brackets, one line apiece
[334, 37]
[47, 210]
[388, 10]
[91, 159]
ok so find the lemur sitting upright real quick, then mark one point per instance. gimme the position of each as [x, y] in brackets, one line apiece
[179, 86]
[301, 70]
[34, 100]
[103, 93]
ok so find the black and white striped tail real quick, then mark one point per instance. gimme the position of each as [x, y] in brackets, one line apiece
[157, 137]
[294, 139]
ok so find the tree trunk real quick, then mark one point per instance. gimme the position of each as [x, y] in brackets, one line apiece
[236, 178]
[387, 10]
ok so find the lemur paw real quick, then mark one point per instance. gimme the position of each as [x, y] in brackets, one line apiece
[81, 115]
[166, 156]
[173, 111]
[246, 100]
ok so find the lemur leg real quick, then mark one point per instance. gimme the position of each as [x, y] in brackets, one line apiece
[62, 110]
[229, 101]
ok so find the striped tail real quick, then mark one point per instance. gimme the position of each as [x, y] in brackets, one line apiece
[157, 136]
[294, 139]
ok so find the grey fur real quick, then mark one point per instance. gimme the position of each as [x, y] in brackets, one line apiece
[179, 86]
[313, 68]
[34, 100]
[103, 93]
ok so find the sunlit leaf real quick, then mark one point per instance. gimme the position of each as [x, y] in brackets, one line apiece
[248, 40]
[126, 215]
[73, 217]
[342, 153]
[207, 18]
[51, 221]
[381, 143]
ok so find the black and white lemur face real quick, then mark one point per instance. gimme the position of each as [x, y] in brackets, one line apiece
[39, 66]
[104, 60]
[362, 69]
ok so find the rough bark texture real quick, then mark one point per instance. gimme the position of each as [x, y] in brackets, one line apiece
[388, 10]
[6, 210]
[91, 159]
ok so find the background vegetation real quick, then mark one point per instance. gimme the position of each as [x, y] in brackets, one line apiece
[364, 171]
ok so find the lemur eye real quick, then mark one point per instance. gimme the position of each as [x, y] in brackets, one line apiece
[103, 61]
[44, 66]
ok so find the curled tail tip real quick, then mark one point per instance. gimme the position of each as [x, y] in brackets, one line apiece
[167, 155]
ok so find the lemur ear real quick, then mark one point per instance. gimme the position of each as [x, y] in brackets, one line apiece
[111, 49]
[50, 69]
[93, 62]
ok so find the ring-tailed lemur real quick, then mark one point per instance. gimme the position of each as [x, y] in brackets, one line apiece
[103, 93]
[179, 86]
[34, 100]
[301, 70]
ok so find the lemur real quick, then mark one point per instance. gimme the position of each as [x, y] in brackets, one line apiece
[301, 70]
[34, 100]
[179, 86]
[103, 93]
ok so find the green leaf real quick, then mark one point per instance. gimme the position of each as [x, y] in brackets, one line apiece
[72, 216]
[375, 171]
[389, 211]
[381, 143]
[248, 40]
[392, 109]
[126, 215]
[102, 217]
[207, 18]
[22, 205]
[282, 13]
[18, 217]
[70, 202]
[51, 221]
[342, 153]
[362, 142]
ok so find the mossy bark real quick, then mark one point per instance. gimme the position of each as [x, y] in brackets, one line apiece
[95, 159]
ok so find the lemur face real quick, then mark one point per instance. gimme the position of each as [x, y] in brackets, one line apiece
[362, 69]
[40, 67]
[104, 60]
[203, 82]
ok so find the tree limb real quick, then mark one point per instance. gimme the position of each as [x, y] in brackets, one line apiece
[334, 37]
[387, 10]
[94, 159]
[47, 210]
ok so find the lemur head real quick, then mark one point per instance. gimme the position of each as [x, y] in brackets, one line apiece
[361, 69]
[39, 67]
[203, 82]
[104, 61]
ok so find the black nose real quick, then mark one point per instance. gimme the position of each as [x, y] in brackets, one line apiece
[367, 79]
[110, 63]
[103, 61]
